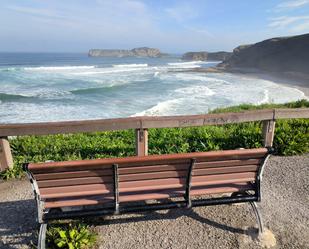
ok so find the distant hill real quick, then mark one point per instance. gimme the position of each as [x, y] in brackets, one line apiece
[283, 54]
[135, 52]
[206, 56]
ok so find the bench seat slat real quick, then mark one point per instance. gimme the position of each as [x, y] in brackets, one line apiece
[74, 191]
[95, 200]
[145, 176]
[85, 201]
[142, 169]
[82, 190]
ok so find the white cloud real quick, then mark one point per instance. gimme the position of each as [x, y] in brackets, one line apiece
[107, 24]
[181, 12]
[200, 31]
[35, 11]
[290, 23]
[107, 17]
[287, 21]
[283, 21]
[301, 28]
[286, 5]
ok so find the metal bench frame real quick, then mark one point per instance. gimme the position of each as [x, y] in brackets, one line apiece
[236, 197]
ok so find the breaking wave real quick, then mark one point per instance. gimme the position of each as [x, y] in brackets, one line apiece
[162, 108]
[4, 97]
[265, 98]
[130, 65]
[197, 90]
[57, 68]
[92, 90]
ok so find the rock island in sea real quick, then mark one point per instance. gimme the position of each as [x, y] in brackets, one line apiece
[135, 52]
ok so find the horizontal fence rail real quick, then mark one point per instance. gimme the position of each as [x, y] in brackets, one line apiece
[141, 124]
[146, 122]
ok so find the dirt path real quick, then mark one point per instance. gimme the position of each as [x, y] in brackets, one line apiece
[285, 209]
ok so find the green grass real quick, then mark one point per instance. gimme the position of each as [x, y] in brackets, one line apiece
[248, 107]
[291, 138]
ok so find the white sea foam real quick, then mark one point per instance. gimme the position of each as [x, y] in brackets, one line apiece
[265, 98]
[108, 71]
[190, 64]
[195, 90]
[130, 65]
[181, 98]
[192, 77]
[162, 108]
[9, 69]
[57, 68]
[185, 63]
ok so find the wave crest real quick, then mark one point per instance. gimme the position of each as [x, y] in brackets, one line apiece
[162, 108]
[197, 90]
[130, 65]
[57, 68]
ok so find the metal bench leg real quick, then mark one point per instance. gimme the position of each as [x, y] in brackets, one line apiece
[42, 236]
[258, 217]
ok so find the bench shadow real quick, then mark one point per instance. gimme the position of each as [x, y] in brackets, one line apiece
[18, 224]
[166, 215]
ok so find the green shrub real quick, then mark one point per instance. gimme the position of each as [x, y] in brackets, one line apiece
[250, 107]
[72, 236]
[292, 137]
[15, 172]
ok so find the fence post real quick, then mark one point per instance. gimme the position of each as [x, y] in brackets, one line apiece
[6, 159]
[141, 142]
[268, 132]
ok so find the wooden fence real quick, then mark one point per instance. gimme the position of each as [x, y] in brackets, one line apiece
[141, 126]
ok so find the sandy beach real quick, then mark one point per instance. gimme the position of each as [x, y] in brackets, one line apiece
[289, 80]
[300, 82]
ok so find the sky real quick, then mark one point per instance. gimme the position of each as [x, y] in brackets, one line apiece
[173, 26]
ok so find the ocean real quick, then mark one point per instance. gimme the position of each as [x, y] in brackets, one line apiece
[37, 87]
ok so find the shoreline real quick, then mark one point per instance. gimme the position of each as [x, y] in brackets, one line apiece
[287, 80]
[299, 82]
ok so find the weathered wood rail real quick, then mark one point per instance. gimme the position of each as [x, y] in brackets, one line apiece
[142, 124]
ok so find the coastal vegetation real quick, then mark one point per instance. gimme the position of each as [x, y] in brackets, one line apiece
[291, 138]
[71, 236]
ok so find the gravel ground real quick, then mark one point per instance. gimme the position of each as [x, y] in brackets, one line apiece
[284, 206]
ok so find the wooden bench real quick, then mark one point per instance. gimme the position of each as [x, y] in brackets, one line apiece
[74, 189]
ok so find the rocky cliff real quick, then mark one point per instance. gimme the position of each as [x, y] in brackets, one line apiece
[283, 54]
[206, 56]
[136, 52]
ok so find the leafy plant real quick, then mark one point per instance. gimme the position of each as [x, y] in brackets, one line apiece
[15, 172]
[73, 236]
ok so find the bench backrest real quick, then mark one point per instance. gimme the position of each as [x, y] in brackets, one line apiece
[91, 182]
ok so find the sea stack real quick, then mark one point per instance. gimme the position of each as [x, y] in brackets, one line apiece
[135, 52]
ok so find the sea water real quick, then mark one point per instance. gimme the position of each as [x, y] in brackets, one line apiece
[59, 86]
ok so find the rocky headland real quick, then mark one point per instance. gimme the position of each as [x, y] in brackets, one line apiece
[284, 60]
[206, 56]
[135, 52]
[278, 55]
